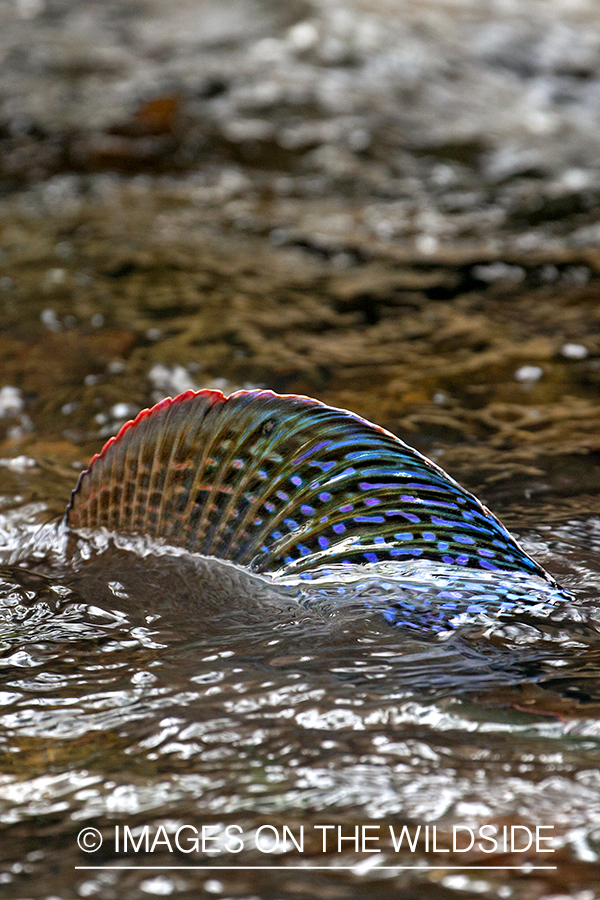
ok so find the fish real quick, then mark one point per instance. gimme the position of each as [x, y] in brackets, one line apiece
[291, 490]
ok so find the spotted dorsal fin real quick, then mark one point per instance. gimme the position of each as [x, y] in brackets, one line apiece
[284, 485]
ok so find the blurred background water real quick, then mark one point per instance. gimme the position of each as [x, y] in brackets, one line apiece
[391, 205]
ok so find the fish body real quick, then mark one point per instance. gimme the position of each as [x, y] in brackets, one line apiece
[293, 489]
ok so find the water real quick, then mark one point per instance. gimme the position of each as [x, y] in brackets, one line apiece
[396, 214]
[132, 698]
[129, 697]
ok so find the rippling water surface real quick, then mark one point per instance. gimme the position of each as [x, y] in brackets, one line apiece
[130, 696]
[392, 206]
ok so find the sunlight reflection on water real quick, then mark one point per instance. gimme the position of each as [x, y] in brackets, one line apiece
[113, 711]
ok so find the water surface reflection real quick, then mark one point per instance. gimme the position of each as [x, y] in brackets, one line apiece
[119, 710]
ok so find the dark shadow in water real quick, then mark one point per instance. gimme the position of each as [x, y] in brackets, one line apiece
[192, 605]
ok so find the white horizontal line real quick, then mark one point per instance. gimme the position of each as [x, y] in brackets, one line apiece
[523, 867]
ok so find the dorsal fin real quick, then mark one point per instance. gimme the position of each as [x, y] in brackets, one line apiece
[284, 484]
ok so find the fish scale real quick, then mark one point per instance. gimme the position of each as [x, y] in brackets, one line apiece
[286, 486]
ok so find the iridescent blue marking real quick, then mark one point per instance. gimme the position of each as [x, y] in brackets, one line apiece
[343, 475]
[348, 507]
[462, 539]
[307, 453]
[446, 523]
[410, 517]
[404, 536]
[379, 471]
[371, 557]
[432, 502]
[291, 524]
[339, 528]
[325, 497]
[480, 515]
[323, 543]
[372, 501]
[295, 479]
[323, 466]
[428, 536]
[307, 510]
[360, 455]
[376, 520]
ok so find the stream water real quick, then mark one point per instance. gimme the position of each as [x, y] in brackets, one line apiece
[392, 207]
[134, 698]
